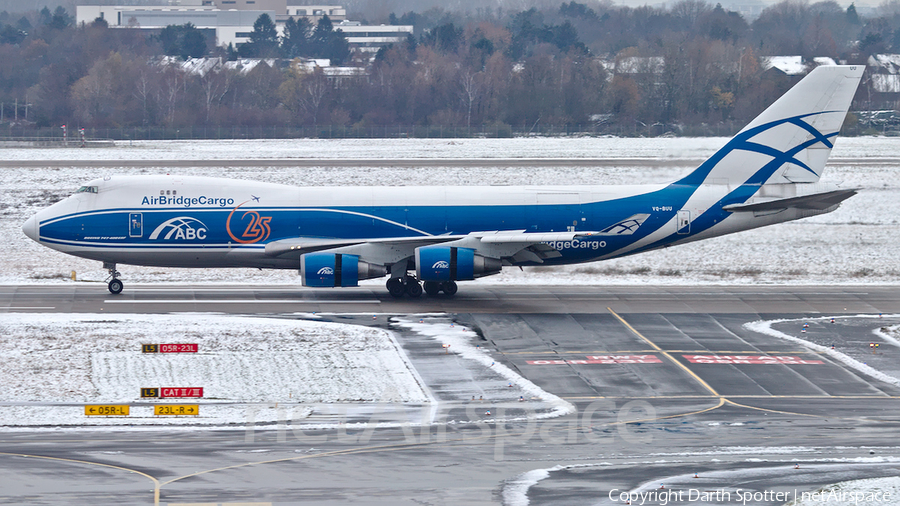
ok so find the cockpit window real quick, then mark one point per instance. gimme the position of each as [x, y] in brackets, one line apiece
[87, 189]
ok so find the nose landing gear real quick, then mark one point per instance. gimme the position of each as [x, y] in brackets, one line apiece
[115, 284]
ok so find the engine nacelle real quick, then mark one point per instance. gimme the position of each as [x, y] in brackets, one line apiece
[449, 263]
[336, 270]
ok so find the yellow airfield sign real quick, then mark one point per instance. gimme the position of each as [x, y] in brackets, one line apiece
[106, 410]
[176, 409]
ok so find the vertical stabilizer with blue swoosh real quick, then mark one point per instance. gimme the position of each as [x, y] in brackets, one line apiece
[791, 140]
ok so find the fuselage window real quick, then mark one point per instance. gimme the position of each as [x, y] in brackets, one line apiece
[87, 189]
[162, 192]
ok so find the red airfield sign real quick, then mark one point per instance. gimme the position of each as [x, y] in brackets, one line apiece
[749, 359]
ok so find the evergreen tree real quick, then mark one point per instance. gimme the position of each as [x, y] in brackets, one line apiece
[45, 16]
[60, 19]
[852, 16]
[326, 42]
[23, 24]
[264, 37]
[11, 35]
[193, 42]
[169, 37]
[295, 41]
[446, 38]
[186, 41]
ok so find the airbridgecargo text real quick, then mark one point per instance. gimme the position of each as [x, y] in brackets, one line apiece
[187, 201]
[558, 245]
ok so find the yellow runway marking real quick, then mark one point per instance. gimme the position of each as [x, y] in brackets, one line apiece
[87, 462]
[722, 400]
[665, 353]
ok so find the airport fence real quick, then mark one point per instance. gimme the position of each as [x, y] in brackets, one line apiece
[53, 136]
[360, 132]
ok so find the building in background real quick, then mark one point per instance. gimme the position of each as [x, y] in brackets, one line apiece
[231, 21]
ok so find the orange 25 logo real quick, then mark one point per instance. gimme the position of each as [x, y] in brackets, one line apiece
[258, 228]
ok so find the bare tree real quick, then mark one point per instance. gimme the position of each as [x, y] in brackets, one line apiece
[315, 87]
[215, 85]
[471, 87]
[171, 86]
[690, 11]
[144, 92]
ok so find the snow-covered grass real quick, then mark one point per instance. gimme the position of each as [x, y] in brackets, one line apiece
[851, 245]
[354, 149]
[251, 369]
[93, 358]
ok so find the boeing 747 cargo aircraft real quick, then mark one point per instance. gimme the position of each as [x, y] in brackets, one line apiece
[435, 236]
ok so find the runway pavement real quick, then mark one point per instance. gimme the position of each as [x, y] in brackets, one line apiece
[666, 381]
[494, 299]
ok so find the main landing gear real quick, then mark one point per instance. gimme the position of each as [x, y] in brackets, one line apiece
[409, 285]
[115, 284]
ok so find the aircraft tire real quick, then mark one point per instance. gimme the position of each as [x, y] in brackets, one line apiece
[450, 288]
[396, 287]
[414, 289]
[115, 287]
[432, 288]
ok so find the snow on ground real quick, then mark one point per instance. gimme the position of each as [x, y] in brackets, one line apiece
[765, 327]
[252, 370]
[515, 491]
[351, 149]
[459, 343]
[96, 358]
[851, 245]
[866, 492]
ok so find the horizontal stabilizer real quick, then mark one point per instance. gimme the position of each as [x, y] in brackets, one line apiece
[818, 201]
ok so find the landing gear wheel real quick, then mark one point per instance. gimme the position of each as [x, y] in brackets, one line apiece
[396, 287]
[432, 288]
[115, 287]
[450, 288]
[413, 288]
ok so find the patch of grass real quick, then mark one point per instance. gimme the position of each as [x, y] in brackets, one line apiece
[669, 272]
[49, 276]
[730, 273]
[613, 271]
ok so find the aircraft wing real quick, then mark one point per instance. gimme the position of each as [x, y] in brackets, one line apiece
[510, 245]
[819, 201]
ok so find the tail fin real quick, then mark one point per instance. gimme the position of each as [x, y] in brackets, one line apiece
[792, 139]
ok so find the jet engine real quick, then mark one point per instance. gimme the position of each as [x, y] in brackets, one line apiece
[336, 270]
[449, 263]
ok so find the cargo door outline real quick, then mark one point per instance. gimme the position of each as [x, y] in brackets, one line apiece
[135, 224]
[683, 224]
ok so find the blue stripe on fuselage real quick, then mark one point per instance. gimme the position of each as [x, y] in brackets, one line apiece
[110, 228]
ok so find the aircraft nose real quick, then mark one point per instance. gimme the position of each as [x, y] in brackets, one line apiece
[30, 228]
